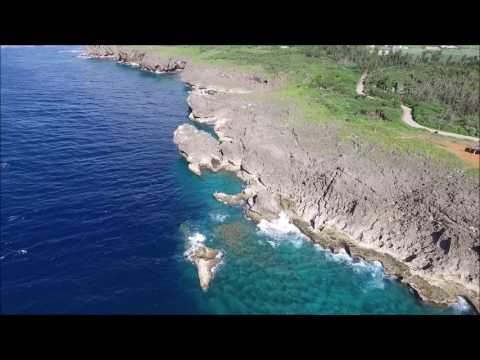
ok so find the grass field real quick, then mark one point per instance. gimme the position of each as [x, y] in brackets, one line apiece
[324, 91]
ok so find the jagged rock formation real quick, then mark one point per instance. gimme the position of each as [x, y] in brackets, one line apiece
[419, 218]
[205, 259]
[402, 206]
[129, 55]
[198, 148]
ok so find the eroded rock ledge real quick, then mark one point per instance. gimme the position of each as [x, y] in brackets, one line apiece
[419, 219]
[128, 55]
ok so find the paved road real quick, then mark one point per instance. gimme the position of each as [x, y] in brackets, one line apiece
[407, 118]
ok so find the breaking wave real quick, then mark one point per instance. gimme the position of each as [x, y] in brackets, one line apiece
[374, 270]
[218, 217]
[462, 306]
[73, 51]
[194, 242]
[281, 229]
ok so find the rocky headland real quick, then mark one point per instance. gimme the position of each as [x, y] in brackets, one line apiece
[419, 219]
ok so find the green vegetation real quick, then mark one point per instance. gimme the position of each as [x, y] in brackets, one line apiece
[443, 96]
[321, 81]
[443, 87]
[463, 50]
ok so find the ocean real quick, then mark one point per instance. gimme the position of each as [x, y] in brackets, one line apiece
[98, 208]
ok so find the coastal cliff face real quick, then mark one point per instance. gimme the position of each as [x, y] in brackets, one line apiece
[420, 219]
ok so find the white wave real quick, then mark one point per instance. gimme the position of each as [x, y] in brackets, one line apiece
[4, 164]
[374, 269]
[194, 241]
[362, 265]
[272, 244]
[280, 227]
[462, 306]
[22, 252]
[218, 217]
[342, 256]
[375, 272]
[220, 263]
[74, 51]
[197, 238]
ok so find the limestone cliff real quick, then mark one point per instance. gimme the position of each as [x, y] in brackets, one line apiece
[420, 217]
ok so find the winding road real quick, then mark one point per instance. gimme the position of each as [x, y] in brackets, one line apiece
[407, 117]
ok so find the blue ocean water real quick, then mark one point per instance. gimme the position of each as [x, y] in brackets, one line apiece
[97, 208]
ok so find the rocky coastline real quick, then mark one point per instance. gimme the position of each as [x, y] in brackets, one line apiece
[421, 221]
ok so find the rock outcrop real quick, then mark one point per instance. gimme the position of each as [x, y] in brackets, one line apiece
[402, 206]
[130, 55]
[420, 218]
[199, 148]
[206, 260]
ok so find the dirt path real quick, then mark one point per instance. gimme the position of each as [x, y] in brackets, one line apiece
[361, 84]
[459, 150]
[407, 118]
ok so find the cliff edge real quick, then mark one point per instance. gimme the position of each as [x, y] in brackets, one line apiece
[420, 219]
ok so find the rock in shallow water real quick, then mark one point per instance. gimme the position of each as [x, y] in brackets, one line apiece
[206, 260]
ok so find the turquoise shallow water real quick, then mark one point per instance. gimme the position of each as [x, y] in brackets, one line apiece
[97, 208]
[275, 273]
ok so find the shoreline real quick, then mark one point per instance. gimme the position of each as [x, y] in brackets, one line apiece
[428, 290]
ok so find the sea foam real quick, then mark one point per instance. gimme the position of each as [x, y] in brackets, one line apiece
[374, 270]
[73, 51]
[462, 306]
[281, 229]
[218, 217]
[194, 241]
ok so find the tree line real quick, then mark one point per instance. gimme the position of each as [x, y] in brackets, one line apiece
[451, 82]
[368, 59]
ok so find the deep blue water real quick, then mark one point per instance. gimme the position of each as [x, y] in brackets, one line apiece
[97, 208]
